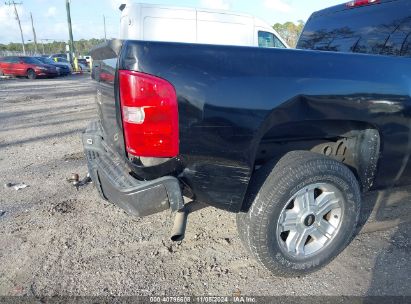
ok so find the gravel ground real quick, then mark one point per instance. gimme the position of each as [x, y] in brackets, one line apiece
[55, 240]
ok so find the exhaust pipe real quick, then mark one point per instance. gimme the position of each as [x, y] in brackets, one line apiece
[180, 223]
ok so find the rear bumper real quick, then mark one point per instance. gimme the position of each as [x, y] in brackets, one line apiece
[112, 178]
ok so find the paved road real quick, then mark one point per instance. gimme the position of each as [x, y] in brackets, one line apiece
[56, 240]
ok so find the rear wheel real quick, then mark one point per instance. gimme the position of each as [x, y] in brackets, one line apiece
[303, 216]
[31, 74]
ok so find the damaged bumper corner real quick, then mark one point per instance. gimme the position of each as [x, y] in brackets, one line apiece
[112, 178]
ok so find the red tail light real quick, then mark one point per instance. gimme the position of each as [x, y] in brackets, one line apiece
[150, 115]
[356, 3]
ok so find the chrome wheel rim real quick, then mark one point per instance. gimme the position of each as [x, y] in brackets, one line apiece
[310, 220]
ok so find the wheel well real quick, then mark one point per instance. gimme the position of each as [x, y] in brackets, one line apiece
[356, 144]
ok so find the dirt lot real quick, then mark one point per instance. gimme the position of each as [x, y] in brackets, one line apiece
[55, 240]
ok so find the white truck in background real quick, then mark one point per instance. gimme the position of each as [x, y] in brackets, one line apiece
[150, 22]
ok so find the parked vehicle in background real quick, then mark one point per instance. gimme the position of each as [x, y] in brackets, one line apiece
[373, 27]
[26, 66]
[177, 24]
[62, 61]
[83, 61]
[63, 69]
[83, 67]
[88, 59]
[59, 55]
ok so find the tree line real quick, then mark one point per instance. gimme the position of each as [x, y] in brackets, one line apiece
[289, 31]
[82, 46]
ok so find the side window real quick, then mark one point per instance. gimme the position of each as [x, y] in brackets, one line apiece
[344, 44]
[269, 40]
[406, 48]
[393, 45]
[398, 38]
[371, 44]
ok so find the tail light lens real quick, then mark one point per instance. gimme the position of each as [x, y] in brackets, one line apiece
[356, 3]
[150, 115]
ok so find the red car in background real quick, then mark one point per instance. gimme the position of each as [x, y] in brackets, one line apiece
[26, 66]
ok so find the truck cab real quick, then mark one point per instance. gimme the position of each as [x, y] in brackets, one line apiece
[380, 27]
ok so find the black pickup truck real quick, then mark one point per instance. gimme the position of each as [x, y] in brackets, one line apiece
[287, 139]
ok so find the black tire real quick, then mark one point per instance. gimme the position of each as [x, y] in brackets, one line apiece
[259, 226]
[31, 74]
